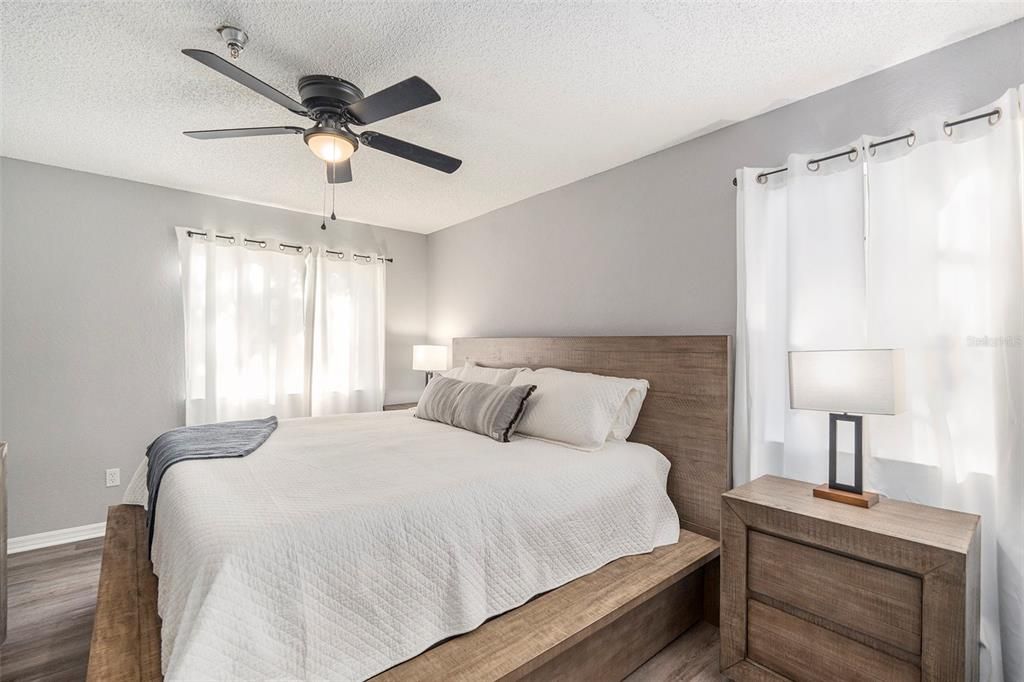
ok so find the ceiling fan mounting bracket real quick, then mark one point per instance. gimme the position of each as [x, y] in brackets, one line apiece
[235, 38]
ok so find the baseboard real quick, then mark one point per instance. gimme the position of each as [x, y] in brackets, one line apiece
[55, 537]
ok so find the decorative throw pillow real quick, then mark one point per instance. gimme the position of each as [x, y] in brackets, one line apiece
[492, 411]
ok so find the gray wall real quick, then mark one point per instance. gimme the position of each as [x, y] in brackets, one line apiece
[649, 247]
[91, 357]
[92, 345]
[1, 301]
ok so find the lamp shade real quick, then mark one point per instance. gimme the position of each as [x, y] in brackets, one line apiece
[857, 381]
[430, 358]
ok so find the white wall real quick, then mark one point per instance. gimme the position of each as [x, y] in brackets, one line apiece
[91, 350]
[649, 247]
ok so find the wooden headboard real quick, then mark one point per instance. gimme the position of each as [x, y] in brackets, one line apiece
[687, 415]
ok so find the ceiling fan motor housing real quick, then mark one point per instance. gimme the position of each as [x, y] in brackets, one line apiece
[327, 94]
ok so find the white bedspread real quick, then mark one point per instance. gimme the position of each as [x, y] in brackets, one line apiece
[346, 545]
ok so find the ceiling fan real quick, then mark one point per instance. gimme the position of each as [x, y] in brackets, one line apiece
[334, 105]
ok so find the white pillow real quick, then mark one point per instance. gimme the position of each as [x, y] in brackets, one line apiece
[453, 373]
[579, 409]
[627, 415]
[487, 375]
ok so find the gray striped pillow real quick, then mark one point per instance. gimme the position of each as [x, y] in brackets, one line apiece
[486, 409]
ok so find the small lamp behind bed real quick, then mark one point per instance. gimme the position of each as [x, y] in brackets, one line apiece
[430, 359]
[858, 381]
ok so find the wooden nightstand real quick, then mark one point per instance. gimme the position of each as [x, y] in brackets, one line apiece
[817, 590]
[398, 406]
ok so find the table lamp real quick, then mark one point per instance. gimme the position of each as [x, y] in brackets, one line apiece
[430, 359]
[842, 382]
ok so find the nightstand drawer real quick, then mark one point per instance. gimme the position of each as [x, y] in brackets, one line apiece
[880, 603]
[802, 651]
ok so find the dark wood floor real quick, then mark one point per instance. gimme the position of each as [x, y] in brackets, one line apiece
[52, 596]
[693, 657]
[51, 599]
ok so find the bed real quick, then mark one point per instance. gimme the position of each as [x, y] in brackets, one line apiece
[478, 531]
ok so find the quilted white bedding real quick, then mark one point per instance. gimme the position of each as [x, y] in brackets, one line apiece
[346, 545]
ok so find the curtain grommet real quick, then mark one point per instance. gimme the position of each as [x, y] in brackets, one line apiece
[995, 116]
[912, 139]
[762, 179]
[853, 155]
[813, 165]
[947, 128]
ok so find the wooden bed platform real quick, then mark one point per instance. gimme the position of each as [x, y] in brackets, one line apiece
[602, 626]
[642, 601]
[126, 634]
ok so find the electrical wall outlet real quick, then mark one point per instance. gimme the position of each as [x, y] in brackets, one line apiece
[113, 477]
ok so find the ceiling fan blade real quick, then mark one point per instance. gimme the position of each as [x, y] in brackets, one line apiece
[412, 152]
[410, 94]
[243, 132]
[339, 172]
[248, 80]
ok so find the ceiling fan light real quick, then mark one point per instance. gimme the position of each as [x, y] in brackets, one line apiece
[330, 145]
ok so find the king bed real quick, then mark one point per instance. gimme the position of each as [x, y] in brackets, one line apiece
[385, 545]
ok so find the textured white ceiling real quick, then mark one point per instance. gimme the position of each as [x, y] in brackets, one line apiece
[534, 95]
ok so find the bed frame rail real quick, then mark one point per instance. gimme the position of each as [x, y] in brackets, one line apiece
[126, 634]
[602, 626]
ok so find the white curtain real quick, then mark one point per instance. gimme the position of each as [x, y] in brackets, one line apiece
[919, 247]
[266, 334]
[348, 336]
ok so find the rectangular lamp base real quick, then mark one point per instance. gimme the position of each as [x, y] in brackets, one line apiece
[865, 499]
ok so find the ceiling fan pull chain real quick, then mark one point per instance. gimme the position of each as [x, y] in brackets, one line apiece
[323, 212]
[334, 180]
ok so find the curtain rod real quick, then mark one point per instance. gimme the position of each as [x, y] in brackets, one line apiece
[282, 245]
[993, 117]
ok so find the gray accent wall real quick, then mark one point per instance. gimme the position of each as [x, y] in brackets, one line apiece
[92, 354]
[649, 247]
